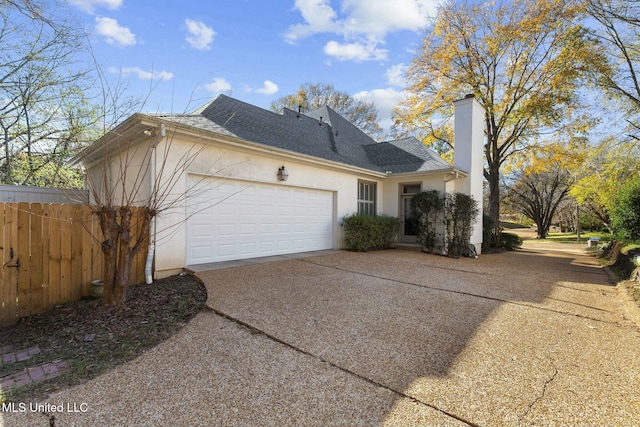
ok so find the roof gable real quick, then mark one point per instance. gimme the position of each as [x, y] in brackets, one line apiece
[322, 133]
[406, 155]
[300, 133]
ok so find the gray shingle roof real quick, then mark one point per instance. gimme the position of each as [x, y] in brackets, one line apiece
[331, 138]
[405, 155]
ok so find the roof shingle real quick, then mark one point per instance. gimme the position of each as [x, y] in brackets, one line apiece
[321, 133]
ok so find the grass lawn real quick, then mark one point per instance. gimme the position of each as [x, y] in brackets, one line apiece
[573, 237]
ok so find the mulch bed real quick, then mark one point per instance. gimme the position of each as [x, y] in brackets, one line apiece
[93, 339]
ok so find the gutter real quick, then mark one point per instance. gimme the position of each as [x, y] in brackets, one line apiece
[452, 173]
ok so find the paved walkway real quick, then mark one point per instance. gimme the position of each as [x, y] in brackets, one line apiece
[31, 374]
[392, 338]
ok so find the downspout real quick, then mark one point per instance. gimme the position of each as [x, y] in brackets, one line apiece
[148, 267]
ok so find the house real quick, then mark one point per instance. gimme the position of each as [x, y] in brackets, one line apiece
[240, 182]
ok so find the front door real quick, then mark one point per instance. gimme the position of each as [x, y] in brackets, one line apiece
[409, 232]
[408, 226]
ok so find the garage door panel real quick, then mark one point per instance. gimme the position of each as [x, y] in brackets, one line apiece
[234, 220]
[223, 230]
[267, 209]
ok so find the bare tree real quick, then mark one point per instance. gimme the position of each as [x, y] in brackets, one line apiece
[309, 97]
[618, 29]
[538, 195]
[43, 107]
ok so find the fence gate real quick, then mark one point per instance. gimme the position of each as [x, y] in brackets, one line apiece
[50, 254]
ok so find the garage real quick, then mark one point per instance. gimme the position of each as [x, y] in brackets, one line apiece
[230, 220]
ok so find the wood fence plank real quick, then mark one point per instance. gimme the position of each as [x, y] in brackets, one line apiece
[54, 255]
[76, 252]
[86, 250]
[96, 249]
[22, 252]
[11, 274]
[65, 253]
[4, 285]
[11, 216]
[36, 266]
[46, 243]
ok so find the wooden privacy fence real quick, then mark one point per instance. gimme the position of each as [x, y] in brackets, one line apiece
[50, 254]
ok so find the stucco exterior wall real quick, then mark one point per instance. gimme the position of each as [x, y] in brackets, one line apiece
[393, 183]
[122, 178]
[217, 159]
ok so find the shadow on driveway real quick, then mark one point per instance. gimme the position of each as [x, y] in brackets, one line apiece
[477, 339]
[411, 311]
[390, 338]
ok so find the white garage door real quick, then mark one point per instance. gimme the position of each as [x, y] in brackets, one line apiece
[229, 220]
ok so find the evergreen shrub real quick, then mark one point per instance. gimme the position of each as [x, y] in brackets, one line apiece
[368, 232]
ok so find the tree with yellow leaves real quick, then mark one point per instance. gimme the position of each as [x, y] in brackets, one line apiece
[523, 61]
[604, 171]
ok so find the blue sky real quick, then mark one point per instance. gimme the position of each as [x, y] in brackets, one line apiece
[255, 50]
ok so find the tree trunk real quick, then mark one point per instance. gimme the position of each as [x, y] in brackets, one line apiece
[123, 271]
[118, 250]
[115, 253]
[543, 229]
[107, 217]
[493, 176]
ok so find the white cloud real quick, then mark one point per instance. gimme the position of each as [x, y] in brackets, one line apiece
[269, 88]
[378, 18]
[385, 100]
[355, 51]
[319, 18]
[218, 85]
[114, 33]
[397, 75]
[90, 5]
[142, 74]
[368, 20]
[200, 35]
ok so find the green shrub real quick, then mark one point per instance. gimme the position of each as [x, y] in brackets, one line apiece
[510, 241]
[626, 213]
[426, 208]
[461, 211]
[455, 212]
[367, 232]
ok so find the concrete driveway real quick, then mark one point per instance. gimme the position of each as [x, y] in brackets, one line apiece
[391, 338]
